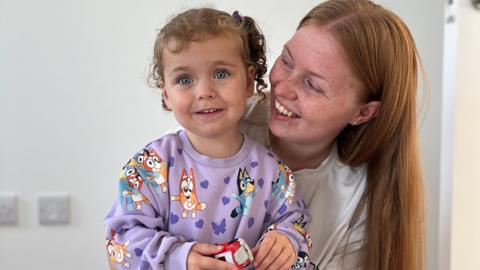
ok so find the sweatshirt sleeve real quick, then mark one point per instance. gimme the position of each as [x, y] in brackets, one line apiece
[288, 214]
[136, 225]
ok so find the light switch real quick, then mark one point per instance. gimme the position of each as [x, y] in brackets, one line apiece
[54, 209]
[8, 209]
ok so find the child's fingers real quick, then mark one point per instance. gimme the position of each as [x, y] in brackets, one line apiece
[209, 263]
[206, 249]
[221, 265]
[282, 262]
[273, 256]
[197, 261]
[263, 250]
[255, 251]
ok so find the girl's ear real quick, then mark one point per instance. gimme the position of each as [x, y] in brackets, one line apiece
[250, 80]
[165, 95]
[367, 112]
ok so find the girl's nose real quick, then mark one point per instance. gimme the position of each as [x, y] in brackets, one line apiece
[206, 90]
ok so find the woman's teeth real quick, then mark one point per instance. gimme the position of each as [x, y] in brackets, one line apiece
[280, 109]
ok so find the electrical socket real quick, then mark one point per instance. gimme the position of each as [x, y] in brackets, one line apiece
[8, 209]
[54, 209]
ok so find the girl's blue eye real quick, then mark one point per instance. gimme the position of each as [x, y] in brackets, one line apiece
[184, 80]
[221, 74]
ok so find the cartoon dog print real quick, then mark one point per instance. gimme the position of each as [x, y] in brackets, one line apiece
[188, 195]
[152, 168]
[118, 252]
[246, 191]
[299, 225]
[130, 187]
[285, 184]
[302, 260]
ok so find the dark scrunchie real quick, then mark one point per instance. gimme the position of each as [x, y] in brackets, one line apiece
[236, 15]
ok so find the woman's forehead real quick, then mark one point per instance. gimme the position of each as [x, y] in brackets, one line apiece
[315, 49]
[315, 41]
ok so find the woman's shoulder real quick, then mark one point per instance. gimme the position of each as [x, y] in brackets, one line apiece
[254, 123]
[333, 183]
[258, 109]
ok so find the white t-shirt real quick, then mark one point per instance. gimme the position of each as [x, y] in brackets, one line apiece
[332, 192]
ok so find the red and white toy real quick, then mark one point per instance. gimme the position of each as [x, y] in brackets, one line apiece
[236, 252]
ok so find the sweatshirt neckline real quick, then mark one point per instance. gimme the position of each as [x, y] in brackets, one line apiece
[205, 160]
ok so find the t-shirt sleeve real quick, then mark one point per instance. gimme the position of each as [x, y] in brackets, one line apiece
[136, 225]
[288, 214]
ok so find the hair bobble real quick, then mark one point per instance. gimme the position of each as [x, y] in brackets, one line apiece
[237, 16]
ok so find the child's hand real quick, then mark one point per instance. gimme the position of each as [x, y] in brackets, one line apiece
[275, 252]
[201, 258]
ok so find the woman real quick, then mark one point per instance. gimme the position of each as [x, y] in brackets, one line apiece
[342, 114]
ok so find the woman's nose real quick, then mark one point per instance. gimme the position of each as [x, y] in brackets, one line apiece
[285, 88]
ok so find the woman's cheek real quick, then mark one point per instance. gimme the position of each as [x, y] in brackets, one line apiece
[275, 73]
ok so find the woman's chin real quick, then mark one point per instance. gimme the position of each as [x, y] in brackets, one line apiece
[281, 128]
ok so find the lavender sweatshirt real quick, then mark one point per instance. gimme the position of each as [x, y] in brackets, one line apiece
[171, 196]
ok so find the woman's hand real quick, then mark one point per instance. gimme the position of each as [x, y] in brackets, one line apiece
[275, 252]
[201, 258]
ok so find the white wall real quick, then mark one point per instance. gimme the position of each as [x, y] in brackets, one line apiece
[466, 185]
[75, 105]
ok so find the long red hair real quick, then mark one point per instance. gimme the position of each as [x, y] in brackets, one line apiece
[383, 55]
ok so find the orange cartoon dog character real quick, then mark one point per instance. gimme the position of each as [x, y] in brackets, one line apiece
[188, 195]
[118, 252]
[152, 168]
[156, 169]
[131, 188]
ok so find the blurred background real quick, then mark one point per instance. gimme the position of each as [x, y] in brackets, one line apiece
[75, 105]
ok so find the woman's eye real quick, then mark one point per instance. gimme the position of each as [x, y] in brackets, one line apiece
[312, 86]
[221, 74]
[184, 80]
[286, 62]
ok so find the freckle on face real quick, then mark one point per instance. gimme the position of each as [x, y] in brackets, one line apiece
[314, 50]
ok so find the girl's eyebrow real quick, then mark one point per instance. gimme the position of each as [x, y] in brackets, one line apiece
[179, 68]
[217, 62]
[223, 63]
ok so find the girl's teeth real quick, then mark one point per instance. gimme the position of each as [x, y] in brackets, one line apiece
[209, 111]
